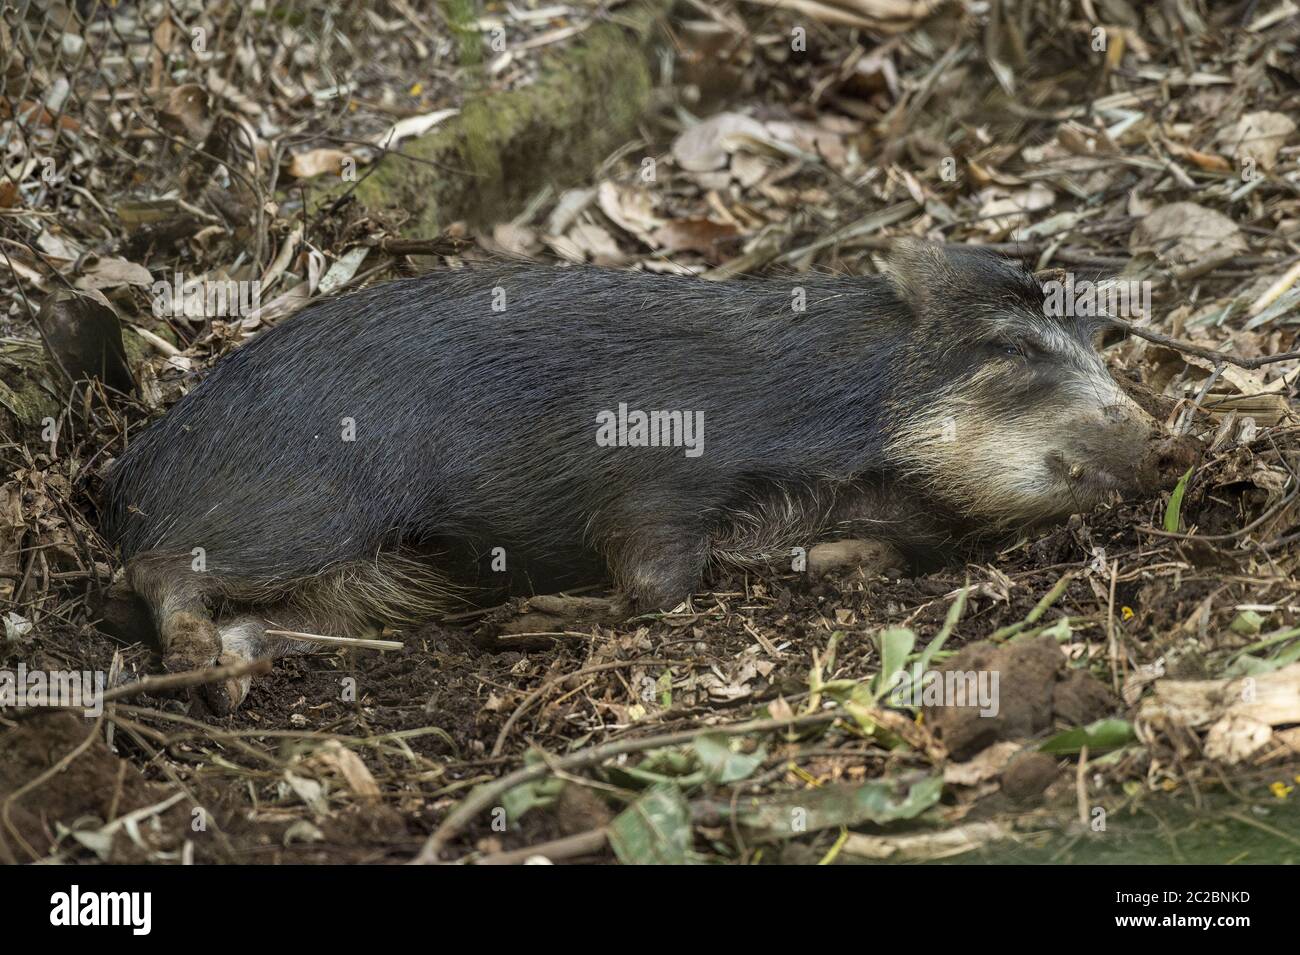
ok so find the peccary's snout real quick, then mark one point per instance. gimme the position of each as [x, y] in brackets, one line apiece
[1165, 460]
[1122, 449]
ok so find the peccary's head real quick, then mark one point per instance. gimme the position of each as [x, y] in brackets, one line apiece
[1008, 412]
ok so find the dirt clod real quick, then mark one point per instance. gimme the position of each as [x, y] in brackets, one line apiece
[1026, 676]
[1080, 698]
[92, 789]
[1028, 775]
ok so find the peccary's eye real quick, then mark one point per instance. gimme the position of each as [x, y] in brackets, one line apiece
[1023, 349]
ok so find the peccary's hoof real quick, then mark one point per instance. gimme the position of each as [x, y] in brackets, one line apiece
[223, 698]
[873, 557]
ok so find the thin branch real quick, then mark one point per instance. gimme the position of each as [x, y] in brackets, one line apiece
[569, 847]
[1207, 353]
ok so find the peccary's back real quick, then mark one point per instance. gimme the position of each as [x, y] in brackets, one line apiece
[413, 412]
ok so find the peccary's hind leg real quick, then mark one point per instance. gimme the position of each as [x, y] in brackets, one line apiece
[179, 599]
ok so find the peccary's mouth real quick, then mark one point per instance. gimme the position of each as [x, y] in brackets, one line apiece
[1090, 484]
[1097, 479]
[1086, 476]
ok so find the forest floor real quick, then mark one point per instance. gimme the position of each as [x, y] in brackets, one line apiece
[1149, 651]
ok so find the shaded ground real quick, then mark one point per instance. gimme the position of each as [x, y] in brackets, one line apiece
[1130, 159]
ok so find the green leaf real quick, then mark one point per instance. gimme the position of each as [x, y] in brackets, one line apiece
[675, 765]
[1059, 631]
[634, 777]
[896, 645]
[878, 801]
[671, 761]
[1246, 664]
[1271, 640]
[1099, 737]
[949, 624]
[654, 830]
[1176, 503]
[922, 661]
[665, 687]
[1248, 623]
[721, 763]
[538, 794]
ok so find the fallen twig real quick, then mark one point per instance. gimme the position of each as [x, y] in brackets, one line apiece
[1040, 608]
[187, 678]
[1207, 353]
[581, 844]
[165, 683]
[360, 642]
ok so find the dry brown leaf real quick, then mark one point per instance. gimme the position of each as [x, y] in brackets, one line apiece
[983, 175]
[595, 244]
[693, 235]
[412, 126]
[1210, 162]
[1185, 233]
[629, 208]
[12, 529]
[706, 145]
[186, 112]
[1237, 714]
[1002, 209]
[987, 764]
[1258, 136]
[111, 272]
[336, 757]
[927, 845]
[514, 239]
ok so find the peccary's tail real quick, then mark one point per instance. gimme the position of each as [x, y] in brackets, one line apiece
[394, 589]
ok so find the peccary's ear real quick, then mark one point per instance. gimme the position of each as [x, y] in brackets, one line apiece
[916, 269]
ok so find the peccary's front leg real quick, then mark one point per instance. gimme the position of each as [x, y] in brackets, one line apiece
[920, 530]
